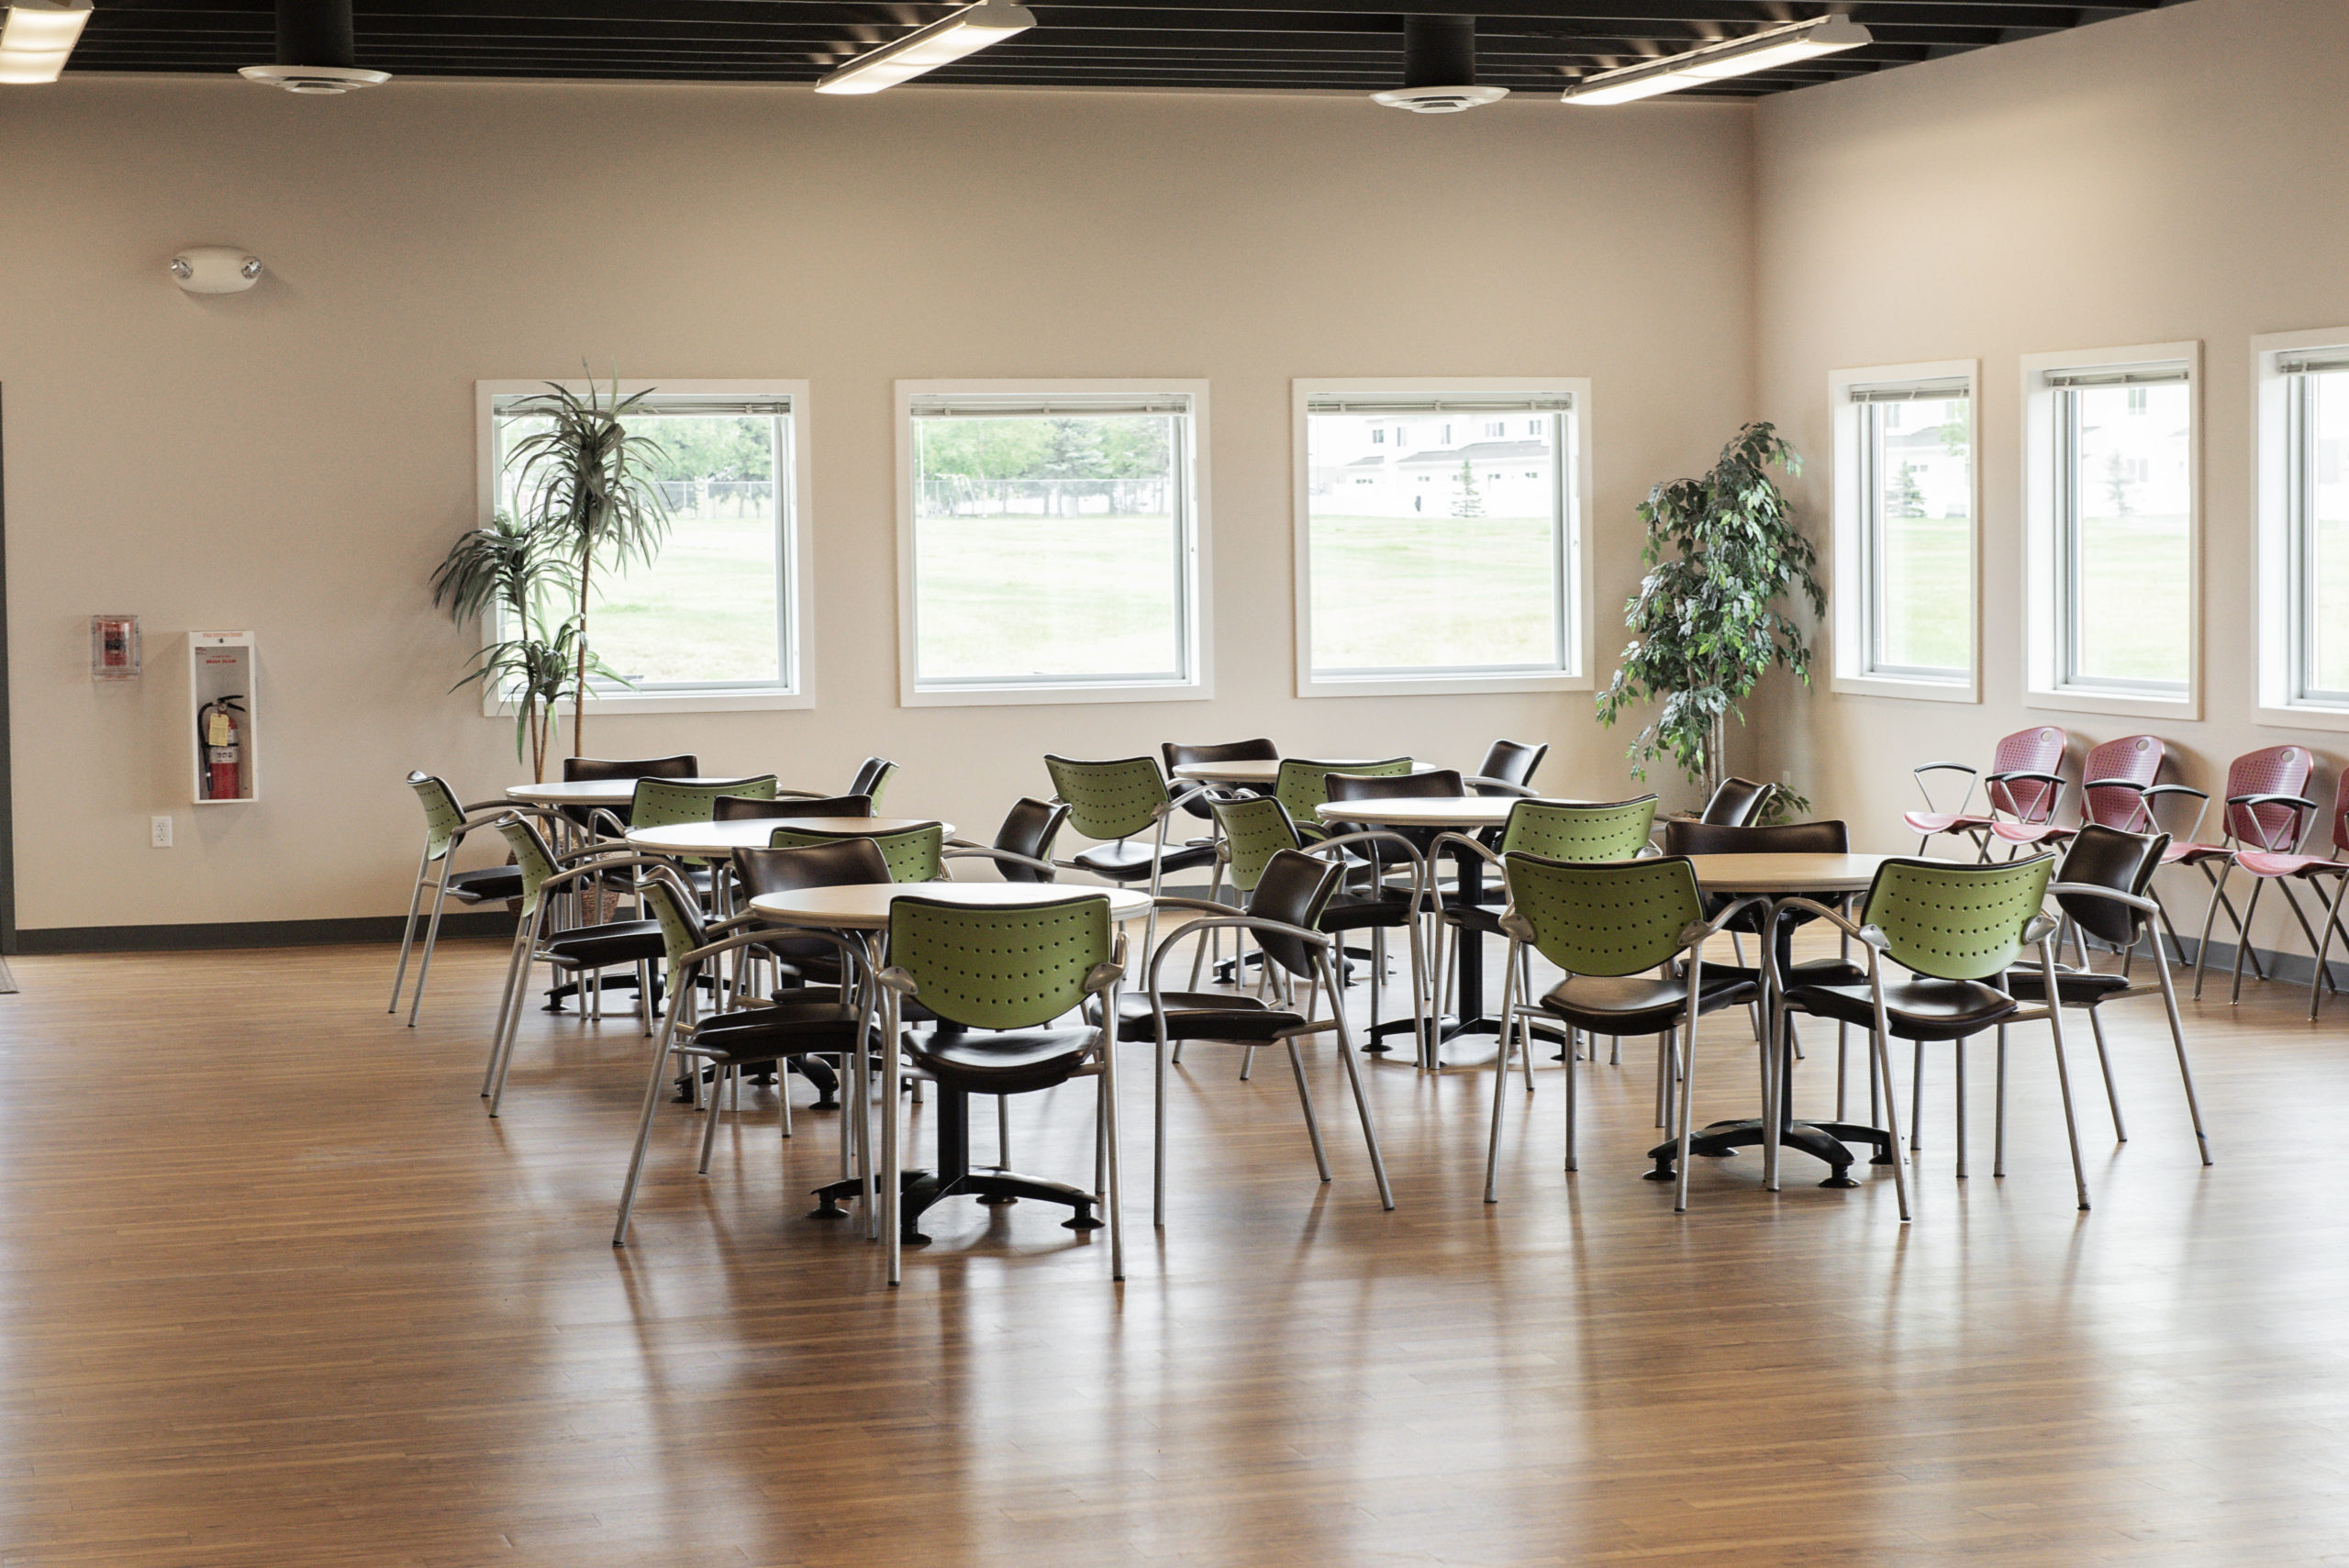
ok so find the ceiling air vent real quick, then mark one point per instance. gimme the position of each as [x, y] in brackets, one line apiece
[1438, 68]
[315, 51]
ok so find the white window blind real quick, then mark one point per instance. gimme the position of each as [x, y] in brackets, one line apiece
[2119, 375]
[1912, 391]
[1441, 403]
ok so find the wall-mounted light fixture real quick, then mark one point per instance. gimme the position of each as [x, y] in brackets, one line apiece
[36, 37]
[942, 42]
[1731, 57]
[215, 269]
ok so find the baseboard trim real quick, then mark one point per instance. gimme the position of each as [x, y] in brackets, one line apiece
[2293, 968]
[252, 933]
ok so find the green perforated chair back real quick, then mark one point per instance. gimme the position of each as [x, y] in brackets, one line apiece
[1305, 784]
[917, 854]
[1109, 800]
[1257, 829]
[531, 854]
[1608, 918]
[1004, 968]
[1588, 835]
[444, 818]
[1957, 922]
[660, 802]
[681, 927]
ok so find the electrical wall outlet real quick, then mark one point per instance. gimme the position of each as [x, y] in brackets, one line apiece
[159, 832]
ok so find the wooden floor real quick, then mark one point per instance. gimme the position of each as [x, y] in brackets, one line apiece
[277, 1291]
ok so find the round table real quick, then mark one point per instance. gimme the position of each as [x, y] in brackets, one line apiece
[755, 833]
[1462, 814]
[597, 792]
[1264, 772]
[1826, 877]
[863, 907]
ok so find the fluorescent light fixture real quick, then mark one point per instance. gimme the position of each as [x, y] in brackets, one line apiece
[37, 36]
[942, 42]
[1731, 57]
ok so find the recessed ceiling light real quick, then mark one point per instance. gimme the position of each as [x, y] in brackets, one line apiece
[942, 42]
[38, 36]
[1731, 57]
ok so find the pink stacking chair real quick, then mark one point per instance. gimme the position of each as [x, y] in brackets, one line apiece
[2114, 780]
[2267, 812]
[2022, 787]
[2283, 869]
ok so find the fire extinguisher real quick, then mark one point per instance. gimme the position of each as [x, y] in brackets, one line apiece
[216, 732]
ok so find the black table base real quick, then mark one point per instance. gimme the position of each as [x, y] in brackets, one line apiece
[917, 1190]
[1823, 1140]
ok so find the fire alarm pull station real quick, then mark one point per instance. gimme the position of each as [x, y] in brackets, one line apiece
[114, 648]
[221, 685]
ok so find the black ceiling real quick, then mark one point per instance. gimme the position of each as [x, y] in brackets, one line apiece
[1526, 45]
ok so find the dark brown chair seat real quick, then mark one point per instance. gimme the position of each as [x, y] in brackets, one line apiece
[1365, 913]
[1202, 1015]
[1914, 1010]
[1130, 860]
[1640, 1003]
[788, 1029]
[2074, 987]
[1007, 1061]
[609, 946]
[490, 885]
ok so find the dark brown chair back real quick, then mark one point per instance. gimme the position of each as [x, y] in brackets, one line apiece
[1179, 755]
[1029, 828]
[577, 770]
[1295, 889]
[869, 774]
[1437, 783]
[843, 862]
[741, 807]
[1735, 803]
[1511, 761]
[2107, 857]
[1682, 837]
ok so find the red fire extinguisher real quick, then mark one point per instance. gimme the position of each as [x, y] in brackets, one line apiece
[216, 732]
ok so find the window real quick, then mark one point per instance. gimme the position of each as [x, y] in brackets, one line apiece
[1905, 536]
[2111, 471]
[713, 621]
[2302, 381]
[1378, 437]
[1051, 541]
[1460, 567]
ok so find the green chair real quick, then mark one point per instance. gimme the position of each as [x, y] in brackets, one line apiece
[915, 855]
[1607, 925]
[873, 776]
[728, 1042]
[1577, 833]
[662, 803]
[999, 980]
[1304, 785]
[583, 951]
[446, 823]
[1956, 929]
[1112, 803]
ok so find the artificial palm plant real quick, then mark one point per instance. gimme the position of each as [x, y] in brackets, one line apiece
[1706, 622]
[586, 496]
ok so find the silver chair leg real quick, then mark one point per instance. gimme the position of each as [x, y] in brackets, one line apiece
[1362, 1103]
[407, 935]
[1881, 1040]
[1158, 1140]
[1305, 1099]
[1501, 1082]
[431, 934]
[720, 1076]
[1998, 1142]
[1687, 1112]
[2111, 1089]
[2185, 1073]
[1960, 1057]
[517, 966]
[644, 1124]
[2242, 937]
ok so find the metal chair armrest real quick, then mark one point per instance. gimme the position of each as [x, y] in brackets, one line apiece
[2117, 783]
[766, 934]
[987, 852]
[2043, 926]
[2110, 895]
[1482, 784]
[2152, 790]
[1231, 922]
[2298, 800]
[1204, 905]
[1960, 767]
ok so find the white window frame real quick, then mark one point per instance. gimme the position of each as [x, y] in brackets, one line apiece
[796, 550]
[2278, 610]
[1198, 628]
[1574, 477]
[1853, 596]
[2043, 623]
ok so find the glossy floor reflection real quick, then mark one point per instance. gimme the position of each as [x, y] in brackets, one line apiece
[276, 1291]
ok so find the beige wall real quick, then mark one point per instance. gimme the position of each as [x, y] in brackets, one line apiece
[294, 460]
[2179, 175]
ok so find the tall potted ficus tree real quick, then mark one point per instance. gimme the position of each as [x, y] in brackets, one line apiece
[1722, 552]
[587, 501]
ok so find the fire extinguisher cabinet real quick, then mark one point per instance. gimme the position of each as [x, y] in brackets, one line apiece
[222, 708]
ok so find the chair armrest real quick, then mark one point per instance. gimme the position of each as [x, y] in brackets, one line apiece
[1203, 906]
[898, 980]
[2301, 800]
[598, 868]
[2055, 779]
[1959, 767]
[1228, 922]
[800, 794]
[986, 852]
[2150, 791]
[1464, 841]
[762, 935]
[1695, 932]
[1837, 918]
[2119, 783]
[2043, 926]
[1103, 978]
[2109, 895]
[1482, 784]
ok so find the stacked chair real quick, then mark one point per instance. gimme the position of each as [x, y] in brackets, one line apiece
[2024, 788]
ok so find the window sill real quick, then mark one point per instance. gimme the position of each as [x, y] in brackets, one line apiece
[1968, 690]
[2187, 708]
[2298, 717]
[1437, 686]
[1040, 697]
[748, 701]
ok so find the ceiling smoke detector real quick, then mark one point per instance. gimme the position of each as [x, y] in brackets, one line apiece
[1438, 68]
[316, 33]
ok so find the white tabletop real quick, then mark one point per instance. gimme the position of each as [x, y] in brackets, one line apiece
[1426, 811]
[757, 832]
[1795, 873]
[597, 792]
[865, 905]
[1266, 770]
